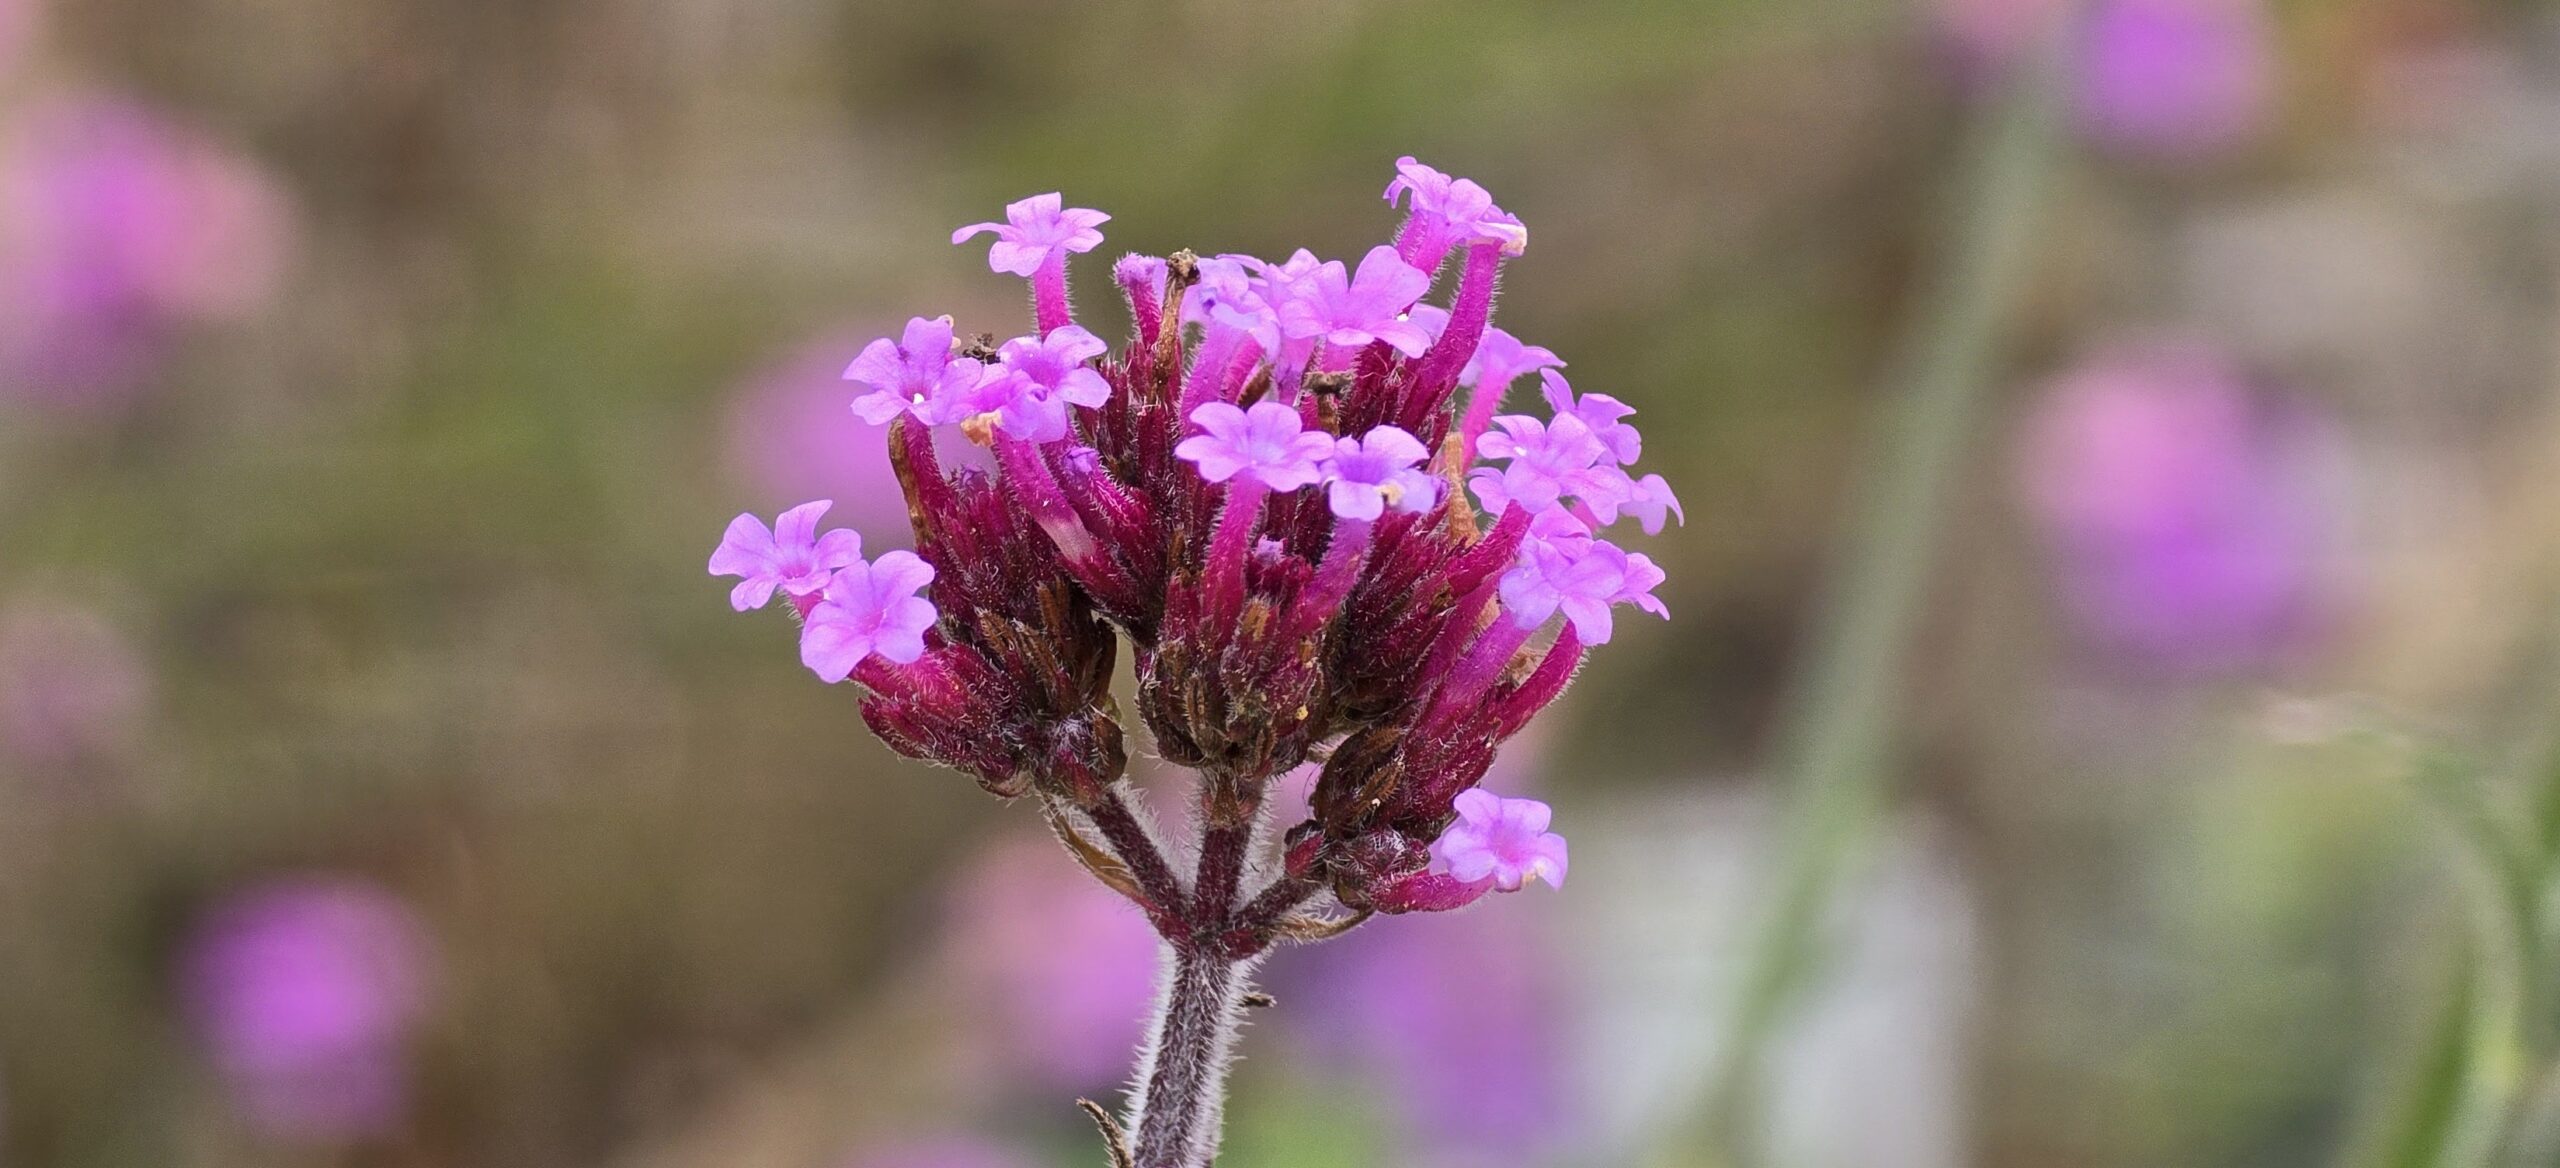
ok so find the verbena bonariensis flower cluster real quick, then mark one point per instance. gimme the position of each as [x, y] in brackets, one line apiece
[1265, 492]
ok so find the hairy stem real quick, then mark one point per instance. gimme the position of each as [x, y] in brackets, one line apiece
[1183, 1075]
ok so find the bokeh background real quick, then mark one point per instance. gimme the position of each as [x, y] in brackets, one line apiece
[383, 781]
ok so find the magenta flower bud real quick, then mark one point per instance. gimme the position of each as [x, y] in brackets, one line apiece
[304, 992]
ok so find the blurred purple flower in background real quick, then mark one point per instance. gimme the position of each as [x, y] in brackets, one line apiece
[793, 436]
[2172, 79]
[2186, 511]
[943, 1152]
[116, 228]
[304, 991]
[2175, 78]
[1058, 971]
[71, 685]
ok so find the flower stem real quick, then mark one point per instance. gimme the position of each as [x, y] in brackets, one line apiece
[1184, 1072]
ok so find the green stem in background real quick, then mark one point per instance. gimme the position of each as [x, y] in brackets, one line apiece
[1833, 764]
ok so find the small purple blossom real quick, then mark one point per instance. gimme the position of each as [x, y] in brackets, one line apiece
[304, 991]
[1036, 378]
[1350, 310]
[915, 374]
[1365, 476]
[1547, 462]
[1650, 500]
[1561, 567]
[1230, 294]
[1268, 444]
[790, 555]
[1502, 840]
[1501, 359]
[1602, 414]
[1037, 230]
[1454, 212]
[869, 608]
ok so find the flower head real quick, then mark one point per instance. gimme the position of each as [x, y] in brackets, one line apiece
[1502, 840]
[1454, 212]
[1267, 443]
[869, 608]
[1035, 379]
[1351, 310]
[790, 555]
[1037, 230]
[1365, 476]
[915, 374]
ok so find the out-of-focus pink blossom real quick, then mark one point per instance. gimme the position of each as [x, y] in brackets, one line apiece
[116, 228]
[791, 436]
[304, 991]
[71, 685]
[2188, 513]
[1057, 971]
[2160, 78]
[2175, 77]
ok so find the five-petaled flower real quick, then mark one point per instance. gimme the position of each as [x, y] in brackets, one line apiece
[1504, 841]
[1037, 230]
[1561, 566]
[1365, 476]
[1349, 310]
[1035, 379]
[869, 608]
[1267, 444]
[790, 555]
[915, 374]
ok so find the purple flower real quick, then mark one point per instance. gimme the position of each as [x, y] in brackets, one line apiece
[1453, 212]
[1598, 412]
[915, 375]
[1367, 475]
[869, 608]
[116, 228]
[2175, 77]
[71, 685]
[1547, 462]
[1038, 230]
[790, 437]
[1037, 378]
[2187, 512]
[1502, 840]
[1501, 359]
[1561, 567]
[1351, 310]
[304, 990]
[1649, 500]
[790, 555]
[1267, 444]
[1230, 295]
